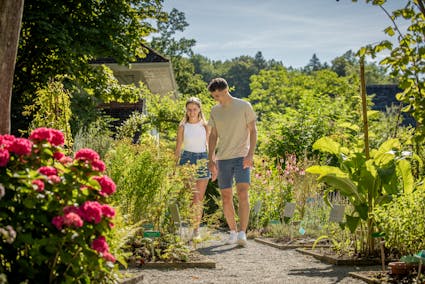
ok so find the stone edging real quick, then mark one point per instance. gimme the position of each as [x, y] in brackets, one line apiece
[179, 265]
[339, 261]
[283, 246]
[132, 280]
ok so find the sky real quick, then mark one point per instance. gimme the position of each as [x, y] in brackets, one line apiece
[290, 31]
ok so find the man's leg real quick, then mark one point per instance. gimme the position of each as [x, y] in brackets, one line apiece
[228, 208]
[243, 197]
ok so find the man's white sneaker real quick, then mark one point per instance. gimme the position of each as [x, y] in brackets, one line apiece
[232, 238]
[242, 239]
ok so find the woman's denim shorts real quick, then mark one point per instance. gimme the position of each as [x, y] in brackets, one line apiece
[232, 169]
[199, 159]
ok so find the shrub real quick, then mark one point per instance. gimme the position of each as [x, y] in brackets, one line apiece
[402, 222]
[54, 214]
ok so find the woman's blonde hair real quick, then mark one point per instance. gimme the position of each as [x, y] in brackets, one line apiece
[196, 101]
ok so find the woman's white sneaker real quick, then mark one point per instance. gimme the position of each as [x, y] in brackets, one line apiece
[233, 236]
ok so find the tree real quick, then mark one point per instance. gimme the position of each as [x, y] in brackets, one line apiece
[10, 23]
[406, 57]
[314, 64]
[61, 37]
[166, 42]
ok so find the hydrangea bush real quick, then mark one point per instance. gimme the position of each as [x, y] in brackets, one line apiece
[54, 216]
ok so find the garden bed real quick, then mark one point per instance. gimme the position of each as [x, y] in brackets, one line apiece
[384, 277]
[331, 257]
[287, 243]
[195, 260]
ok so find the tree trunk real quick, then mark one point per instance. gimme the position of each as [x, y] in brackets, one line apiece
[10, 25]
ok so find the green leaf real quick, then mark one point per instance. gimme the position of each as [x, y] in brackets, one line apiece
[352, 222]
[390, 144]
[363, 210]
[29, 202]
[326, 144]
[389, 31]
[405, 172]
[343, 185]
[326, 170]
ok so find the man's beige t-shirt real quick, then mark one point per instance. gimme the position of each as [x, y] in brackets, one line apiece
[231, 122]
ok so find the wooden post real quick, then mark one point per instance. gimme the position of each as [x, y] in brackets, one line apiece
[10, 26]
[369, 239]
[364, 108]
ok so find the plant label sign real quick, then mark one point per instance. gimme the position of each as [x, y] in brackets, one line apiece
[151, 234]
[274, 222]
[337, 213]
[148, 226]
[289, 210]
[257, 206]
[175, 214]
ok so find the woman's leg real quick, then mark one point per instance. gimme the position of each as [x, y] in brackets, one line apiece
[197, 202]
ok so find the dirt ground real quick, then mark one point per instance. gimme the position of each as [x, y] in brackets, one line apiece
[256, 263]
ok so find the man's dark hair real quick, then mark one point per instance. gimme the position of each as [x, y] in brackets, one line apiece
[217, 84]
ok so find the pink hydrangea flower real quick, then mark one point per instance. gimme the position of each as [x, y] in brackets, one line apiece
[72, 219]
[4, 157]
[21, 146]
[91, 211]
[57, 137]
[100, 245]
[58, 156]
[86, 154]
[73, 209]
[48, 171]
[108, 257]
[98, 165]
[6, 140]
[54, 179]
[57, 221]
[53, 136]
[108, 211]
[66, 160]
[39, 184]
[107, 185]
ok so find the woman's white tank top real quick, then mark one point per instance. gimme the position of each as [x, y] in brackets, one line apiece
[195, 137]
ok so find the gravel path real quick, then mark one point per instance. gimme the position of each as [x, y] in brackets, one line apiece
[256, 263]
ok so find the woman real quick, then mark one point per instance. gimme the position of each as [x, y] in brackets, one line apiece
[193, 134]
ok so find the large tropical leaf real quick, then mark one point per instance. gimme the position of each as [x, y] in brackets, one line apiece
[405, 172]
[390, 144]
[344, 185]
[352, 222]
[326, 170]
[326, 144]
[363, 210]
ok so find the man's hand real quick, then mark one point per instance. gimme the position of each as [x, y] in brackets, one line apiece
[248, 162]
[213, 169]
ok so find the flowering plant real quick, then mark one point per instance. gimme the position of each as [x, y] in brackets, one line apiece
[54, 218]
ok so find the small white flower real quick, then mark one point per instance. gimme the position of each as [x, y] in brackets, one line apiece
[406, 153]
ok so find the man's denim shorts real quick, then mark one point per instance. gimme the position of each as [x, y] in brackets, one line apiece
[232, 168]
[193, 158]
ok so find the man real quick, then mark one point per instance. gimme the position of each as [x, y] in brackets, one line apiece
[234, 135]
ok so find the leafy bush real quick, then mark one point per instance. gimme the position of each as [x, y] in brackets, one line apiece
[402, 221]
[54, 214]
[148, 181]
[96, 136]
